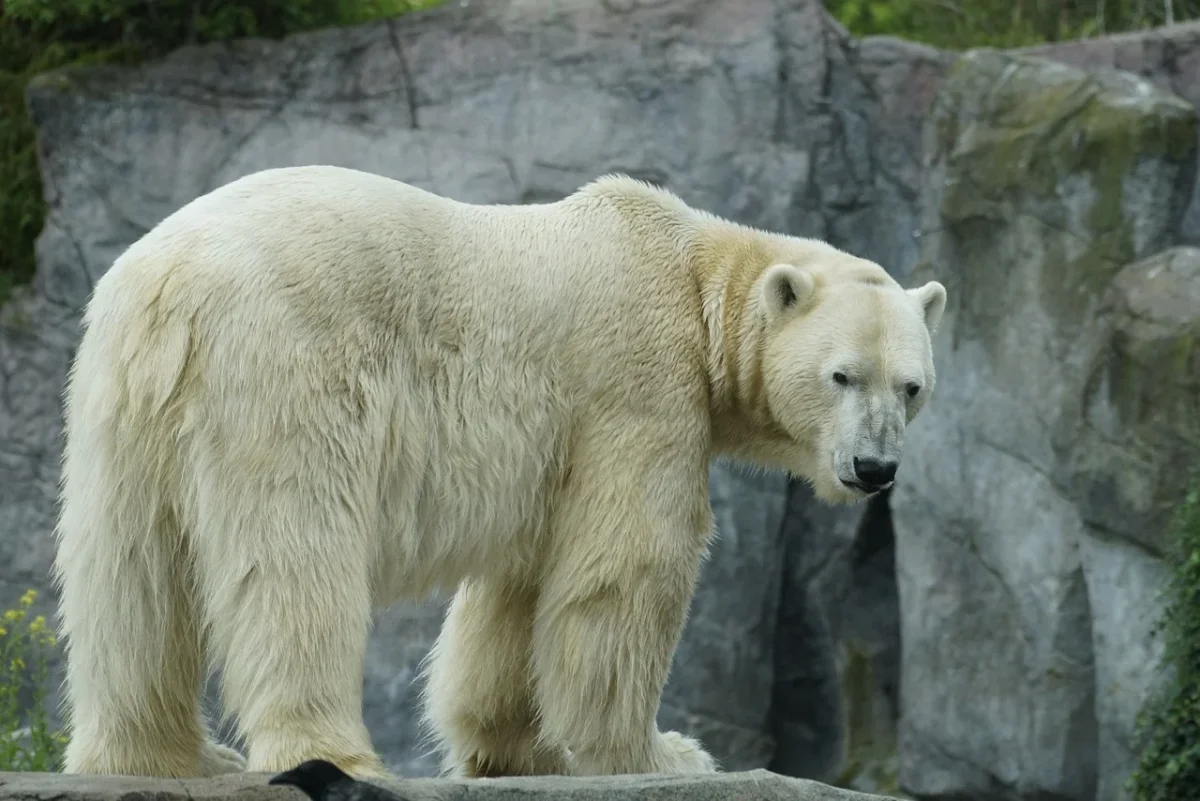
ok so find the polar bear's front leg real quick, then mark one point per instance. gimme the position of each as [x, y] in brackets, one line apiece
[626, 545]
[478, 693]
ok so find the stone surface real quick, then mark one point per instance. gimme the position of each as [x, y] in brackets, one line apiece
[757, 785]
[1142, 401]
[1142, 437]
[1043, 182]
[838, 649]
[900, 79]
[1167, 57]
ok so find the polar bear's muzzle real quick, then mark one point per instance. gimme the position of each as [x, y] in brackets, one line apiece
[872, 475]
[867, 474]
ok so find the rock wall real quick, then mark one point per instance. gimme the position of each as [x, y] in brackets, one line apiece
[1028, 485]
[987, 634]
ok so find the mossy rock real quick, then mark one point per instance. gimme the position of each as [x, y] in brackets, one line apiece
[1070, 174]
[1027, 136]
[1023, 124]
[1143, 399]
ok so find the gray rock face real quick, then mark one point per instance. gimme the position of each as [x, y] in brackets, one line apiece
[1014, 563]
[1143, 422]
[1168, 57]
[838, 651]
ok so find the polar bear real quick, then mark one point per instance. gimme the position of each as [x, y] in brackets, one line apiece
[315, 391]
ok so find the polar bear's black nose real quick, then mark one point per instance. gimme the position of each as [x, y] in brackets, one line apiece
[874, 472]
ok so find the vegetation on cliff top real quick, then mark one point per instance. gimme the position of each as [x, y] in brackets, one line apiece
[961, 24]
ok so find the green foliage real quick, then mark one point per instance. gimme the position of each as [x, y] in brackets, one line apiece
[152, 27]
[962, 24]
[40, 35]
[1169, 727]
[25, 645]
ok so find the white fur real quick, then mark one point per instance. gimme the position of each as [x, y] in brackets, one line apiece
[315, 391]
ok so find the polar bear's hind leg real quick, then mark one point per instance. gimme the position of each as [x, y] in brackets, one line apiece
[135, 664]
[285, 564]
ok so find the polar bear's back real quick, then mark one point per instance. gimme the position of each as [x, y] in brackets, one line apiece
[333, 251]
[320, 235]
[453, 346]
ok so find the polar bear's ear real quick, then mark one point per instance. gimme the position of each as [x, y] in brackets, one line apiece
[931, 300]
[785, 287]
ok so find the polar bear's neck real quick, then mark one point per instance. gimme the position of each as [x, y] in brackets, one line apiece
[725, 260]
[727, 265]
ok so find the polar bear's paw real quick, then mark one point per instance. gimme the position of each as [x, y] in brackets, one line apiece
[668, 753]
[685, 754]
[217, 760]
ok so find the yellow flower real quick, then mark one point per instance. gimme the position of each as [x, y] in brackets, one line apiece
[18, 664]
[13, 615]
[50, 641]
[3, 631]
[29, 597]
[37, 624]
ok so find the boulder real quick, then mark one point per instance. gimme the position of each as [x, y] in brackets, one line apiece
[1028, 513]
[1139, 445]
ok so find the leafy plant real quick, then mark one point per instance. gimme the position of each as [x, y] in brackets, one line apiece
[25, 647]
[1169, 727]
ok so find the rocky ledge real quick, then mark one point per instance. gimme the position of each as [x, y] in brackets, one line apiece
[753, 785]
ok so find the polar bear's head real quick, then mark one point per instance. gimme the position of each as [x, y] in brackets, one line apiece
[846, 363]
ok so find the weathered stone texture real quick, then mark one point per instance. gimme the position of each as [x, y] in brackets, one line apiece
[1043, 182]
[838, 649]
[1167, 57]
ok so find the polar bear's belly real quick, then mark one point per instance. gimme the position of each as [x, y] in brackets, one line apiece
[468, 482]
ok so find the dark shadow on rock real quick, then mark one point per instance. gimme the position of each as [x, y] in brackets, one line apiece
[837, 657]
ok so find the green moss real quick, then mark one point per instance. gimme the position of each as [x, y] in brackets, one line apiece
[1169, 728]
[871, 760]
[1039, 160]
[36, 36]
[1182, 354]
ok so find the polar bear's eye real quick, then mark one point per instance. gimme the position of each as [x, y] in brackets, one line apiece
[913, 390]
[840, 378]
